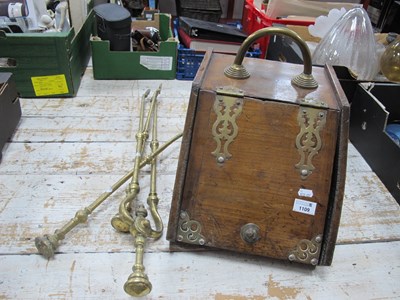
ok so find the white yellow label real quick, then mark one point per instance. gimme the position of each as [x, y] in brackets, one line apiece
[304, 207]
[305, 193]
[50, 85]
[161, 63]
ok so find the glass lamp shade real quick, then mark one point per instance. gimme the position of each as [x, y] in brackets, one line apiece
[350, 43]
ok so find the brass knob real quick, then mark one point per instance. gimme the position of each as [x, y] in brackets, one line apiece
[46, 245]
[250, 233]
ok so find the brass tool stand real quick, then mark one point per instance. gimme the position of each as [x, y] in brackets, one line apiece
[131, 217]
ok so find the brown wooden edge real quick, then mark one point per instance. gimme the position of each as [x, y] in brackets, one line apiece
[339, 173]
[185, 148]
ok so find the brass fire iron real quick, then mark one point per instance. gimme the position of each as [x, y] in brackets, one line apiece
[131, 216]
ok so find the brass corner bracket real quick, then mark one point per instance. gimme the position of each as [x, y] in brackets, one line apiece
[189, 231]
[306, 251]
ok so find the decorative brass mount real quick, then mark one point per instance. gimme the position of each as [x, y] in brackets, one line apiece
[189, 230]
[308, 141]
[307, 251]
[228, 105]
[304, 80]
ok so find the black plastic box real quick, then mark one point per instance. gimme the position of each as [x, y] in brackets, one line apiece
[10, 108]
[371, 111]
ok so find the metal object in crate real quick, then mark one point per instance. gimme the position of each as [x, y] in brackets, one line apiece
[209, 10]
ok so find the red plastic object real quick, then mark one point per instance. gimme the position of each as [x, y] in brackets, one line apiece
[254, 19]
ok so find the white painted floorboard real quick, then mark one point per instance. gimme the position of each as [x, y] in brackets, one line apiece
[66, 152]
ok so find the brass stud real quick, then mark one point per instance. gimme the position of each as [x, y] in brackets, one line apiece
[318, 239]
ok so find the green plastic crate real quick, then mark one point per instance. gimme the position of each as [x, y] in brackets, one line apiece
[47, 64]
[109, 64]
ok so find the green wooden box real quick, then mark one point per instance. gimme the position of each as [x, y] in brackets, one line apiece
[109, 64]
[47, 64]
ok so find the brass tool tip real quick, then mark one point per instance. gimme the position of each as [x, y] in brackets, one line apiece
[119, 224]
[138, 286]
[46, 246]
[146, 93]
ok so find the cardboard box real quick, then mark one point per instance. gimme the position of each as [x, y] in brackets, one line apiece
[109, 64]
[47, 64]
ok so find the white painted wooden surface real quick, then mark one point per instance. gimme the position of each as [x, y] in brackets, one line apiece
[66, 152]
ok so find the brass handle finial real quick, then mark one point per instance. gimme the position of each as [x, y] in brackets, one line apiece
[303, 80]
[138, 284]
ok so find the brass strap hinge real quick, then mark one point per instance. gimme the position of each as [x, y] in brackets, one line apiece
[228, 105]
[311, 119]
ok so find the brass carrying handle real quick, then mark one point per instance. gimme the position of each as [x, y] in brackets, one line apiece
[303, 80]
